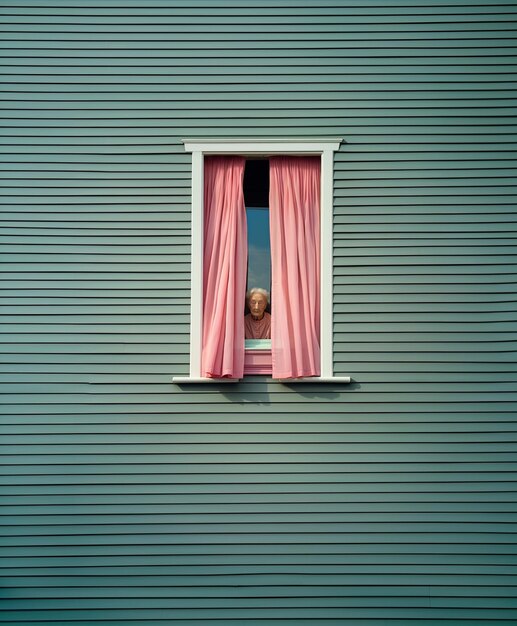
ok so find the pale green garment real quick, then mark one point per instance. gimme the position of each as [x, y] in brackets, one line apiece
[257, 344]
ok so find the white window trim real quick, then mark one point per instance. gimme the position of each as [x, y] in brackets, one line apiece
[324, 147]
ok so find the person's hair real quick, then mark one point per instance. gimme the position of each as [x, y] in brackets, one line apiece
[262, 292]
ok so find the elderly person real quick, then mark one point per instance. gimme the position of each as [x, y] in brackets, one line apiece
[257, 323]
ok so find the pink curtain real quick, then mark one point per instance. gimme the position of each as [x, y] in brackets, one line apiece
[295, 266]
[224, 268]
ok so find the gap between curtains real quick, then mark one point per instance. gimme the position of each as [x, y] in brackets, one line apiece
[224, 267]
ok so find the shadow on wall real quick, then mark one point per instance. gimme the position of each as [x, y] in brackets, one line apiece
[255, 390]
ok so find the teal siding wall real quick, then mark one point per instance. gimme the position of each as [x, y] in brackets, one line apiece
[128, 500]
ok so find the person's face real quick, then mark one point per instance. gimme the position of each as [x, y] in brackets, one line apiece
[257, 305]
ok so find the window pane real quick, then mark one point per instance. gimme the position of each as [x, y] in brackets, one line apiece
[259, 248]
[257, 344]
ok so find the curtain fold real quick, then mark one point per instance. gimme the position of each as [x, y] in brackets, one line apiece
[295, 266]
[224, 267]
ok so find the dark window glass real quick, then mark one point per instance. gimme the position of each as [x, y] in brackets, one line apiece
[256, 198]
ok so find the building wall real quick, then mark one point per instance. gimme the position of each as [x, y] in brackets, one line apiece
[129, 500]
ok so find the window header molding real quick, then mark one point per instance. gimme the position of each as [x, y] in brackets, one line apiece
[263, 147]
[322, 146]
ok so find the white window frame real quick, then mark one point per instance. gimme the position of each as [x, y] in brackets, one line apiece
[324, 147]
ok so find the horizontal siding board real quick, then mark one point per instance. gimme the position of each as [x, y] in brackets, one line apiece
[256, 443]
[100, 372]
[368, 492]
[268, 568]
[392, 97]
[463, 47]
[327, 430]
[158, 100]
[252, 59]
[406, 34]
[394, 501]
[414, 600]
[241, 593]
[266, 10]
[495, 519]
[79, 480]
[242, 452]
[135, 406]
[268, 621]
[399, 511]
[226, 24]
[243, 473]
[196, 415]
[405, 5]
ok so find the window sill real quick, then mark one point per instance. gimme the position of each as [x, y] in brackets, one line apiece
[184, 380]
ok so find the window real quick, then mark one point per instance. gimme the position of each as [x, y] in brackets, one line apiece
[249, 149]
